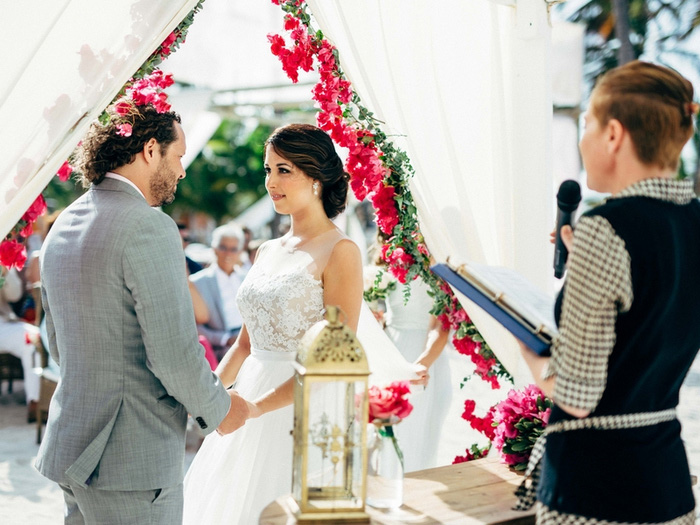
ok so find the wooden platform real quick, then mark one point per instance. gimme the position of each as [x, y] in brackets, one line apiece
[477, 492]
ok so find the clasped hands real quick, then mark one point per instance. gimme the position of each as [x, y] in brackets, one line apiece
[238, 413]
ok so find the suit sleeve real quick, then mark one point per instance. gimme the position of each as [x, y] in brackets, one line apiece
[154, 269]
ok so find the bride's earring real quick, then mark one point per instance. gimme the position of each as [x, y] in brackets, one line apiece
[316, 188]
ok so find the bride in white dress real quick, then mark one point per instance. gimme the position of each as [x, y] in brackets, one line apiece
[233, 477]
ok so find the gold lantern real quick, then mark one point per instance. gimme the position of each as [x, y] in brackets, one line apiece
[330, 425]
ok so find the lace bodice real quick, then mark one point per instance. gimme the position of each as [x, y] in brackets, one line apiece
[282, 295]
[278, 309]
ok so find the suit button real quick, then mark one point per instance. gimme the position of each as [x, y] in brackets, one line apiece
[201, 422]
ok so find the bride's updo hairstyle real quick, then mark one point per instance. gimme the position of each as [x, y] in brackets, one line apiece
[311, 150]
[654, 104]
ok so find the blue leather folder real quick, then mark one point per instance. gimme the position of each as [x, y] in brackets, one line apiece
[534, 334]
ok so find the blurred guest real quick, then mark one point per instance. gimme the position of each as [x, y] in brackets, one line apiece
[218, 286]
[33, 278]
[246, 263]
[421, 339]
[192, 265]
[15, 337]
[201, 316]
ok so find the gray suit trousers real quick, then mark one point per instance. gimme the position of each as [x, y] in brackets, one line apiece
[88, 506]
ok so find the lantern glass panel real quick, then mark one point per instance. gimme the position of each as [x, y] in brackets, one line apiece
[334, 442]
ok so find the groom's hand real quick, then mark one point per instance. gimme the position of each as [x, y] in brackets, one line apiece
[237, 414]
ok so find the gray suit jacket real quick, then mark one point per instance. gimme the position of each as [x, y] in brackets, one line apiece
[207, 286]
[121, 327]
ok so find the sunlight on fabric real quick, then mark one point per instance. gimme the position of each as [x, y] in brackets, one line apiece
[463, 88]
[70, 62]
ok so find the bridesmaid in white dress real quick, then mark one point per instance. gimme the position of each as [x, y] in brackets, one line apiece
[232, 478]
[420, 339]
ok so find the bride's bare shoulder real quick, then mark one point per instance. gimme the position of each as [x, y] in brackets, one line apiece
[345, 253]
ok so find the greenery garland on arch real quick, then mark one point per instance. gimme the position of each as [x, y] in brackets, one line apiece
[381, 171]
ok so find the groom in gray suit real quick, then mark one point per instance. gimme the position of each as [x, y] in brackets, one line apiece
[121, 326]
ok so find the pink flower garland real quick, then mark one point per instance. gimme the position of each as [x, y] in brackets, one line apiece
[373, 175]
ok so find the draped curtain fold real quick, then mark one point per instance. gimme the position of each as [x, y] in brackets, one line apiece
[462, 87]
[62, 62]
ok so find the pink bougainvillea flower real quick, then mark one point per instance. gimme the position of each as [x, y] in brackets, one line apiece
[37, 208]
[351, 126]
[124, 130]
[290, 22]
[466, 346]
[122, 107]
[471, 454]
[64, 172]
[159, 79]
[27, 230]
[165, 47]
[276, 44]
[480, 424]
[385, 205]
[12, 254]
[519, 405]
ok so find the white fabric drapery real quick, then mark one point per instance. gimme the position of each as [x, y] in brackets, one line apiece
[465, 89]
[463, 86]
[62, 62]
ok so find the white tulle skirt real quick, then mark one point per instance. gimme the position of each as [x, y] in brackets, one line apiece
[234, 477]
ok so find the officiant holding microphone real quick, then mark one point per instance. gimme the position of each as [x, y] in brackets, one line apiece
[627, 316]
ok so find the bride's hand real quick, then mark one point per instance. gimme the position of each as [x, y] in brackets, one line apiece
[423, 376]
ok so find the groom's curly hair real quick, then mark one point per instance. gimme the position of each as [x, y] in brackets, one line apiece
[105, 148]
[312, 151]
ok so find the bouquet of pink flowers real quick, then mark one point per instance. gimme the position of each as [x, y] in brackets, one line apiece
[519, 420]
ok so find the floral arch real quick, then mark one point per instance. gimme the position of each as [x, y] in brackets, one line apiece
[380, 171]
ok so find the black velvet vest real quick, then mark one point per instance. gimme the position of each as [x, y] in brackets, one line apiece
[638, 475]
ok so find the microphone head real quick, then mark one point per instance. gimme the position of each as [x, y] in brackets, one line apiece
[569, 195]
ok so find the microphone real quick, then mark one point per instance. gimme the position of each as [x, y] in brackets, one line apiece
[568, 198]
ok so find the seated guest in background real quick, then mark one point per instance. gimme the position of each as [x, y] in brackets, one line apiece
[218, 286]
[192, 265]
[246, 263]
[201, 316]
[15, 336]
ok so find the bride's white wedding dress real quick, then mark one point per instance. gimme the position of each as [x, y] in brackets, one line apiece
[233, 478]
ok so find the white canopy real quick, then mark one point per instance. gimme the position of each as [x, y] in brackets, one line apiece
[62, 62]
[463, 87]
